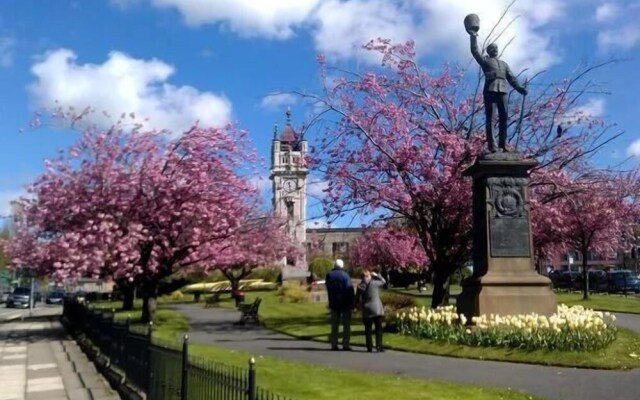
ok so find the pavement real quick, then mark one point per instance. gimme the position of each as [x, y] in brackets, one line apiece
[216, 326]
[10, 314]
[39, 362]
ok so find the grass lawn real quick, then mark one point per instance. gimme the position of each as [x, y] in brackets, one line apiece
[323, 383]
[311, 321]
[603, 302]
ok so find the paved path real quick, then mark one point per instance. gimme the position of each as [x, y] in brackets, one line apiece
[11, 314]
[38, 361]
[629, 321]
[216, 326]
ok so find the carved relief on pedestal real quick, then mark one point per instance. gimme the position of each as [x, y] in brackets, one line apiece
[508, 217]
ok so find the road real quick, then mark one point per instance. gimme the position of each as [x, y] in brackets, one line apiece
[8, 314]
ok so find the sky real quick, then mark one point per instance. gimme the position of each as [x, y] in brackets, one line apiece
[173, 62]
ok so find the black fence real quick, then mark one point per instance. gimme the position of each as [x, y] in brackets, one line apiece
[161, 370]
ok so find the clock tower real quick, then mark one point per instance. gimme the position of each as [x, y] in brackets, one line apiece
[289, 175]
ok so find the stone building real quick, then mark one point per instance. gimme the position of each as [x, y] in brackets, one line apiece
[331, 242]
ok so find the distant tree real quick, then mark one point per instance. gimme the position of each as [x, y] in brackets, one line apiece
[599, 216]
[258, 243]
[388, 248]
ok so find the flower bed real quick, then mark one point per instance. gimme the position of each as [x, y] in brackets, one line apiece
[571, 328]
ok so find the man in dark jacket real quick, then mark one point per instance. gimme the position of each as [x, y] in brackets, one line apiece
[341, 298]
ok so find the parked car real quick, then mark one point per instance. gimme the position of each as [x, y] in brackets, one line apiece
[567, 280]
[623, 281]
[4, 296]
[20, 298]
[598, 281]
[55, 298]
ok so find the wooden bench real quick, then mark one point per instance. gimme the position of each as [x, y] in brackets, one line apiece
[249, 312]
[213, 300]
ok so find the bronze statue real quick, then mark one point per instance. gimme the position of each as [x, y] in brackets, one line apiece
[496, 75]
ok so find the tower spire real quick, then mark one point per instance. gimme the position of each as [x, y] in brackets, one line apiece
[275, 131]
[288, 113]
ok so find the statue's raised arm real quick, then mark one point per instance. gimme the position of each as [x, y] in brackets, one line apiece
[475, 49]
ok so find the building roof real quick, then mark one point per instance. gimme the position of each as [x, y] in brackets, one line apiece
[288, 135]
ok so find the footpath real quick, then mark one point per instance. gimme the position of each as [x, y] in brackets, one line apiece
[38, 361]
[216, 326]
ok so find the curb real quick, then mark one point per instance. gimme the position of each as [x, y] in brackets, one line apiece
[115, 378]
[10, 318]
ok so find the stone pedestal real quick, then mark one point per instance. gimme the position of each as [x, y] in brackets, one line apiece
[504, 280]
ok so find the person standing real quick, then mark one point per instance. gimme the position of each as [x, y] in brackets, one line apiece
[341, 299]
[372, 308]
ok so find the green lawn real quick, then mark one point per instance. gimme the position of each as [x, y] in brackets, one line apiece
[323, 383]
[310, 321]
[603, 302]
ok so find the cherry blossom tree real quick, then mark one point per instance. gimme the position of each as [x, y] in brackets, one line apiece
[599, 215]
[258, 242]
[396, 142]
[389, 247]
[138, 206]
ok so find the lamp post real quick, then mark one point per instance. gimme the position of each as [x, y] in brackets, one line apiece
[570, 263]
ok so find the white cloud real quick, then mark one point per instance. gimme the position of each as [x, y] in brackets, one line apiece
[123, 84]
[249, 18]
[607, 12]
[634, 149]
[315, 189]
[594, 108]
[624, 38]
[261, 183]
[340, 27]
[6, 197]
[7, 49]
[436, 27]
[531, 46]
[277, 101]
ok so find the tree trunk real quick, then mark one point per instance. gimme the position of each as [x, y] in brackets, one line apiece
[128, 293]
[235, 284]
[385, 275]
[440, 288]
[150, 302]
[585, 275]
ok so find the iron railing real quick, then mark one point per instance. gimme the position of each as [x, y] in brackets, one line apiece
[161, 370]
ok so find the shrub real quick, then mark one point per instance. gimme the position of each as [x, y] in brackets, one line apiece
[570, 329]
[394, 301]
[459, 275]
[176, 295]
[293, 292]
[320, 266]
[268, 274]
[216, 276]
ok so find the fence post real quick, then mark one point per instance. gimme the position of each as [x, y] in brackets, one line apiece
[185, 368]
[149, 368]
[251, 393]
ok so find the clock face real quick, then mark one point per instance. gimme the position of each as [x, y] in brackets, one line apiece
[289, 186]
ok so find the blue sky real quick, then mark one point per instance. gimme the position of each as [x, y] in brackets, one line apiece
[175, 61]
